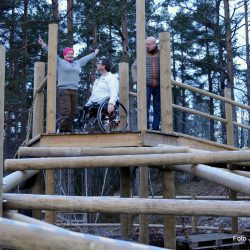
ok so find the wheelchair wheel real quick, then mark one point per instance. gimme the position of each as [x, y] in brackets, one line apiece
[90, 123]
[61, 120]
[112, 122]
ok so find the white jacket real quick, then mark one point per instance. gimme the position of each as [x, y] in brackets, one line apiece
[105, 87]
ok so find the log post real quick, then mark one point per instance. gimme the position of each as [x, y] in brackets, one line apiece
[38, 108]
[124, 88]
[229, 118]
[230, 141]
[194, 218]
[37, 128]
[141, 65]
[2, 82]
[51, 106]
[167, 127]
[169, 220]
[124, 172]
[141, 106]
[165, 83]
[143, 193]
[125, 192]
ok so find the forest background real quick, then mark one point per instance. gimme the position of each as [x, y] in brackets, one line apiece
[209, 50]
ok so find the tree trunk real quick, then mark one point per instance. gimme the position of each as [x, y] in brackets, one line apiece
[55, 18]
[183, 97]
[210, 87]
[248, 62]
[221, 66]
[70, 40]
[24, 67]
[110, 46]
[230, 68]
[124, 31]
[8, 144]
[93, 68]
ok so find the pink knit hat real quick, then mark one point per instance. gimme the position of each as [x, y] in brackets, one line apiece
[66, 50]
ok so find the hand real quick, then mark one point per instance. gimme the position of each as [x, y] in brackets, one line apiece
[111, 108]
[41, 42]
[96, 51]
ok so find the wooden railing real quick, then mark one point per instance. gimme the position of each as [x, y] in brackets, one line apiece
[228, 106]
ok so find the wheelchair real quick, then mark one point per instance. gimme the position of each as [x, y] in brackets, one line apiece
[96, 118]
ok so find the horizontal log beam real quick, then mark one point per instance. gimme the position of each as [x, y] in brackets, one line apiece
[10, 214]
[206, 93]
[80, 224]
[152, 160]
[126, 205]
[27, 236]
[12, 180]
[219, 176]
[86, 151]
[243, 173]
[196, 112]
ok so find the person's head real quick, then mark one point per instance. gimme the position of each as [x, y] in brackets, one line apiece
[150, 43]
[68, 54]
[103, 65]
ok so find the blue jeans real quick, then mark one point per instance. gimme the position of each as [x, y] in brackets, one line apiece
[155, 92]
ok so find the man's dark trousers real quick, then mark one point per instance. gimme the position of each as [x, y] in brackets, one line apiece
[155, 92]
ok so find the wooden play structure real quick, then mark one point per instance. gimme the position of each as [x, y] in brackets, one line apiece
[165, 149]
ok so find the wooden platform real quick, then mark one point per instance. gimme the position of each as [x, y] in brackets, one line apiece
[207, 241]
[127, 139]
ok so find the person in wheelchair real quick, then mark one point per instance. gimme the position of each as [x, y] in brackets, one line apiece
[105, 87]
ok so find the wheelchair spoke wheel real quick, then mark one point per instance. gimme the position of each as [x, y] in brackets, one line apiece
[90, 124]
[62, 122]
[112, 122]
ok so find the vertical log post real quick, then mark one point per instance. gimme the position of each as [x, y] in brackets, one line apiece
[141, 107]
[125, 192]
[124, 172]
[37, 124]
[165, 83]
[169, 220]
[38, 104]
[143, 193]
[2, 82]
[229, 118]
[124, 88]
[194, 218]
[230, 141]
[167, 127]
[141, 65]
[51, 107]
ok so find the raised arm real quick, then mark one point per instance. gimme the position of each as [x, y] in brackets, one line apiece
[45, 47]
[87, 58]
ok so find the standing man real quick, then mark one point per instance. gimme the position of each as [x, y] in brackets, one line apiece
[152, 80]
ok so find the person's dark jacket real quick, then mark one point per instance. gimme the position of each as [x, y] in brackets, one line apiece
[152, 69]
